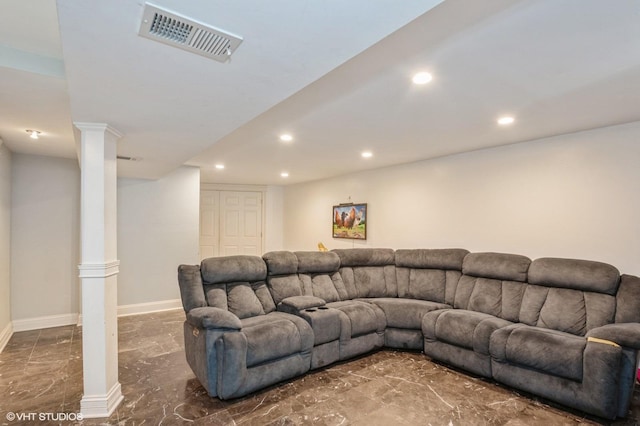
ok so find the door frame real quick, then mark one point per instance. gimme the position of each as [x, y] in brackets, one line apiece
[241, 188]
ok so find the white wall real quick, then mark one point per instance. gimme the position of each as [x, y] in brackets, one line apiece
[574, 195]
[5, 239]
[158, 225]
[44, 236]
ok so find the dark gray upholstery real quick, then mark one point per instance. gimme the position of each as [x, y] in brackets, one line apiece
[232, 330]
[565, 329]
[597, 393]
[549, 351]
[575, 274]
[280, 263]
[232, 269]
[500, 266]
[365, 256]
[310, 262]
[368, 272]
[214, 318]
[431, 258]
[190, 282]
[628, 299]
[298, 303]
[282, 277]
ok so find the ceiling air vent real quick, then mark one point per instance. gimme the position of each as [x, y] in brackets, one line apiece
[187, 34]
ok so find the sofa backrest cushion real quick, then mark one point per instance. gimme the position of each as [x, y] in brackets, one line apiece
[575, 274]
[319, 276]
[368, 272]
[431, 258]
[231, 269]
[365, 256]
[568, 310]
[216, 295]
[237, 283]
[282, 275]
[499, 266]
[570, 295]
[242, 301]
[313, 262]
[280, 263]
[492, 283]
[429, 274]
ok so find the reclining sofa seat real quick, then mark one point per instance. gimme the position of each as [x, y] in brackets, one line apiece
[571, 344]
[486, 298]
[343, 328]
[293, 293]
[426, 279]
[235, 340]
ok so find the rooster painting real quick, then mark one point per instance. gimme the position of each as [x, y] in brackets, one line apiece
[349, 221]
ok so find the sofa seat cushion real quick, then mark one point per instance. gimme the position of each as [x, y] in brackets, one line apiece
[406, 313]
[459, 327]
[276, 335]
[358, 318]
[550, 351]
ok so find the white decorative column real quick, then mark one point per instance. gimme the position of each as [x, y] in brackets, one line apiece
[99, 269]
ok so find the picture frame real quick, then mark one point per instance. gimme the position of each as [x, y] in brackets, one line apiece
[350, 221]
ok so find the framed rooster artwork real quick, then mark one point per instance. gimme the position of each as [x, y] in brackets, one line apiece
[350, 221]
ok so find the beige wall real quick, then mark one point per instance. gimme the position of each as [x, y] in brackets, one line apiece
[45, 244]
[158, 229]
[5, 237]
[575, 195]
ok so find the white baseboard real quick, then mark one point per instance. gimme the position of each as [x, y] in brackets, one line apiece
[146, 308]
[5, 335]
[44, 322]
[76, 319]
[98, 406]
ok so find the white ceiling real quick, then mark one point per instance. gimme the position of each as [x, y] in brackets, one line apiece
[334, 74]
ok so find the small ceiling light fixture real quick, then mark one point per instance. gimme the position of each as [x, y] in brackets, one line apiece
[422, 78]
[503, 121]
[367, 154]
[284, 174]
[220, 166]
[34, 134]
[286, 137]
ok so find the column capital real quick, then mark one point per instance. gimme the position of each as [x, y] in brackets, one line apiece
[101, 127]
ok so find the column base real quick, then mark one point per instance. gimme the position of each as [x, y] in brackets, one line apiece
[95, 406]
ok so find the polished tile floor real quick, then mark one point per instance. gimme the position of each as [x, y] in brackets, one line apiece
[41, 372]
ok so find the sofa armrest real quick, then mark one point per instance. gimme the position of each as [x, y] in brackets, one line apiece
[295, 304]
[213, 318]
[624, 334]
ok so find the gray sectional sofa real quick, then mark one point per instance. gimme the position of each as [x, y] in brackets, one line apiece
[566, 330]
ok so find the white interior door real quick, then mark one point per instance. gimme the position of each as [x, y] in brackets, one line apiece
[230, 223]
[209, 224]
[240, 223]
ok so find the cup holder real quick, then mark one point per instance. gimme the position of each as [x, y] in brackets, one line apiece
[324, 308]
[311, 310]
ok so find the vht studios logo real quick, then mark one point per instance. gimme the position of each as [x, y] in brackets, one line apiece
[55, 417]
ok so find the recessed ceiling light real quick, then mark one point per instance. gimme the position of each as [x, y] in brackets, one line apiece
[286, 137]
[422, 78]
[219, 166]
[367, 154]
[284, 174]
[34, 134]
[503, 121]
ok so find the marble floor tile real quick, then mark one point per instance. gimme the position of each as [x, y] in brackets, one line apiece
[41, 371]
